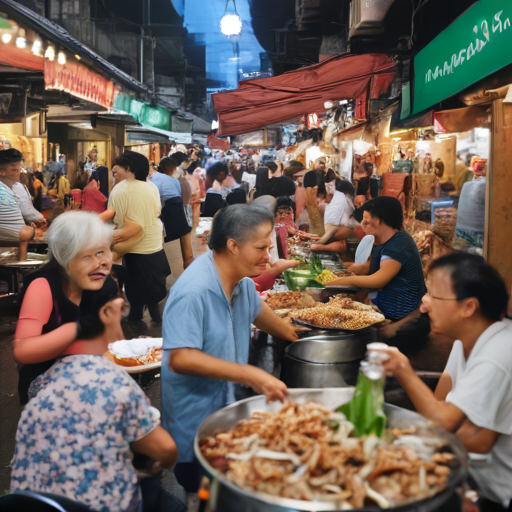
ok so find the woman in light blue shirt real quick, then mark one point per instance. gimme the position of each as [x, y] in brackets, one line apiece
[167, 185]
[207, 326]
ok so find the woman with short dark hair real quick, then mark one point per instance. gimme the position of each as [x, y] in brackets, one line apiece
[261, 182]
[339, 210]
[207, 330]
[137, 210]
[395, 270]
[215, 197]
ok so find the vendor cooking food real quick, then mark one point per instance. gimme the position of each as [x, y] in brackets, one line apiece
[206, 330]
[395, 269]
[466, 300]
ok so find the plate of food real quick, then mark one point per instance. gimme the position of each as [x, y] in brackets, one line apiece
[304, 455]
[137, 355]
[290, 300]
[339, 314]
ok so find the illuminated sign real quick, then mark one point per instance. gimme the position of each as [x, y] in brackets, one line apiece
[474, 46]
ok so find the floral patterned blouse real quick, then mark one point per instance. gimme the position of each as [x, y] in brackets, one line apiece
[74, 435]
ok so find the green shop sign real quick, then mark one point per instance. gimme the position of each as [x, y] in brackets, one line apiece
[474, 46]
[154, 117]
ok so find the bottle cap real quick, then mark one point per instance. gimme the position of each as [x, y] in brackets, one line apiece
[376, 346]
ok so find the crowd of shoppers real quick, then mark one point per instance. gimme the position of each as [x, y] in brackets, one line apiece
[84, 416]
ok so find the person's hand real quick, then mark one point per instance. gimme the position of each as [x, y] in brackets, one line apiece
[291, 330]
[265, 384]
[396, 362]
[41, 223]
[110, 315]
[281, 265]
[359, 269]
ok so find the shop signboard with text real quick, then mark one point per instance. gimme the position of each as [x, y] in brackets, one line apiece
[78, 80]
[474, 46]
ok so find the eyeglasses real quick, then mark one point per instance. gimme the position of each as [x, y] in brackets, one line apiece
[441, 298]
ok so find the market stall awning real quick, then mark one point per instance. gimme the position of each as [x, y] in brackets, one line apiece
[214, 142]
[461, 119]
[21, 59]
[151, 135]
[50, 30]
[260, 102]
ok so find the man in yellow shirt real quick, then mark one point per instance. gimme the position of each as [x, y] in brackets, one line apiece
[137, 202]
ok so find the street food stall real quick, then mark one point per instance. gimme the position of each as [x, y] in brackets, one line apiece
[305, 456]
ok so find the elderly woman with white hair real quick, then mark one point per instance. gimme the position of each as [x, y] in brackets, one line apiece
[85, 416]
[59, 297]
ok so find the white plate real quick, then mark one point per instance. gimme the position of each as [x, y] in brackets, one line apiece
[364, 249]
[137, 341]
[142, 368]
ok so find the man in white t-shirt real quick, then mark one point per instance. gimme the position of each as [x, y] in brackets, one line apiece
[466, 301]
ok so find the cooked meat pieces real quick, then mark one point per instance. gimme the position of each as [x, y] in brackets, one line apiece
[289, 300]
[303, 452]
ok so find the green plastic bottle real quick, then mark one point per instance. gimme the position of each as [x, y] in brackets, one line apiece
[366, 409]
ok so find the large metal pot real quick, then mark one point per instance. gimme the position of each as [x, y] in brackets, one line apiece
[325, 361]
[227, 497]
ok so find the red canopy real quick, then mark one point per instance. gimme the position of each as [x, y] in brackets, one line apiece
[217, 143]
[260, 102]
[21, 58]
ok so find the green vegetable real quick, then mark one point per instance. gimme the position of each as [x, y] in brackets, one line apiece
[366, 409]
[315, 264]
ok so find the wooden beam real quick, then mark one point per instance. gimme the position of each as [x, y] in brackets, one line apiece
[498, 246]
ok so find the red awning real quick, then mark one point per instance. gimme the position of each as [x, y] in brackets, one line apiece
[21, 58]
[217, 143]
[260, 102]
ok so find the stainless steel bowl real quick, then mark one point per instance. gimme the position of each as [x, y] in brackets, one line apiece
[227, 497]
[331, 348]
[326, 361]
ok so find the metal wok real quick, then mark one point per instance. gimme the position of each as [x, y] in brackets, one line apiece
[227, 497]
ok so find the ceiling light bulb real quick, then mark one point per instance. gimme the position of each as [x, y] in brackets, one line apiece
[231, 25]
[36, 47]
[21, 41]
[50, 53]
[61, 58]
[6, 38]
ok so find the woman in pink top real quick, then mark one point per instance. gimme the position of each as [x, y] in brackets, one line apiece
[92, 199]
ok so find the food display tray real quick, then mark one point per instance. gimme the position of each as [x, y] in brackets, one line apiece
[226, 418]
[317, 328]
